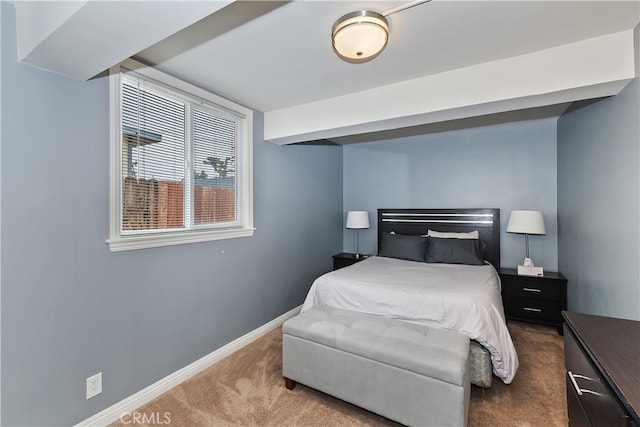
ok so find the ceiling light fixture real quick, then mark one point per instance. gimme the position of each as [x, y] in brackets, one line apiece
[361, 36]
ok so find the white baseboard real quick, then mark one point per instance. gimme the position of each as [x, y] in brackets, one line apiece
[146, 395]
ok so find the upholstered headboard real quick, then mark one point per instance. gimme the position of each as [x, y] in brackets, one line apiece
[419, 221]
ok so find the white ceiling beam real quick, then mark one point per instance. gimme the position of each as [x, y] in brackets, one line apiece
[82, 39]
[586, 69]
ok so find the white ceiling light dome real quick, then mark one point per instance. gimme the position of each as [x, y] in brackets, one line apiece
[360, 36]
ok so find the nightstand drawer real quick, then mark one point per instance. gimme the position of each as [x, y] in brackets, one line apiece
[527, 308]
[536, 288]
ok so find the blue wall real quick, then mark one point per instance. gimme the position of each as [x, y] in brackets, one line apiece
[599, 203]
[507, 166]
[71, 308]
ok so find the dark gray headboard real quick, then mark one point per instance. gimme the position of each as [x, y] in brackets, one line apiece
[419, 221]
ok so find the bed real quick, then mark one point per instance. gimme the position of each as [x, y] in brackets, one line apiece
[460, 297]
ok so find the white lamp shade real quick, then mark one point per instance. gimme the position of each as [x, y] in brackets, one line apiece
[526, 222]
[358, 219]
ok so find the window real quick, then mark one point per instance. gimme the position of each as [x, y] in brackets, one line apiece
[180, 162]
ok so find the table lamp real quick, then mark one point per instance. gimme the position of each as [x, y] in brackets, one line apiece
[357, 220]
[527, 222]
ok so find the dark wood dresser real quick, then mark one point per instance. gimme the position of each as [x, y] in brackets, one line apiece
[602, 359]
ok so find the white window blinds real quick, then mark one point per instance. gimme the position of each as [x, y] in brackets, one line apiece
[183, 162]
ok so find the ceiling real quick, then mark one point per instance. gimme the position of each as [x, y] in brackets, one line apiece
[276, 56]
[283, 57]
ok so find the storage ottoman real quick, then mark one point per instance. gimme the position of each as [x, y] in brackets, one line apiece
[406, 372]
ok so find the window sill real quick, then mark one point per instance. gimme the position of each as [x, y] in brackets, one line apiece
[129, 243]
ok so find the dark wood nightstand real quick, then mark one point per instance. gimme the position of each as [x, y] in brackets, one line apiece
[534, 299]
[346, 259]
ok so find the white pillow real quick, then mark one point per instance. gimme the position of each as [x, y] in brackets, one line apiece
[451, 235]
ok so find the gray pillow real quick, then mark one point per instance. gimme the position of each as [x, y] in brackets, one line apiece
[455, 251]
[412, 248]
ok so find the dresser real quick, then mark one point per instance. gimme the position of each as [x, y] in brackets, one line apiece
[602, 360]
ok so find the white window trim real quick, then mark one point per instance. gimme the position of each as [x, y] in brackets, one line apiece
[121, 242]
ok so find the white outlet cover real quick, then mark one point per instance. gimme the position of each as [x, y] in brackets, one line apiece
[94, 385]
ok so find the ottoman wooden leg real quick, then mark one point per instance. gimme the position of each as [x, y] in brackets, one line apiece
[289, 383]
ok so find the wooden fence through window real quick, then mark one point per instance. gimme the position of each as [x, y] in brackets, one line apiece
[148, 204]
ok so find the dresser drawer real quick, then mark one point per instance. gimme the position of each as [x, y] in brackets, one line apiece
[534, 309]
[528, 287]
[585, 386]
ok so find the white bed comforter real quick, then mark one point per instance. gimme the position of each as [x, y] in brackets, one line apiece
[463, 298]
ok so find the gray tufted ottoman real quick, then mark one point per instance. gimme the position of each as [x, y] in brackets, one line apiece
[406, 372]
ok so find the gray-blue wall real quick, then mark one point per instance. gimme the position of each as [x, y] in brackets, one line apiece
[599, 203]
[507, 166]
[71, 308]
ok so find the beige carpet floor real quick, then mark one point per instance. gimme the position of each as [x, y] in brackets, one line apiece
[247, 389]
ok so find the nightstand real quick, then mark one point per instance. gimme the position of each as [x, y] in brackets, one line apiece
[534, 299]
[346, 259]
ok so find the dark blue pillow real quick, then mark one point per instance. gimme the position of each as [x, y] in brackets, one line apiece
[455, 251]
[412, 248]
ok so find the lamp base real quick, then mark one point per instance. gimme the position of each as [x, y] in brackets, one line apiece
[524, 270]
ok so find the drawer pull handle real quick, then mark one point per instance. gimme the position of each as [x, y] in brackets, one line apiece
[584, 377]
[581, 391]
[575, 384]
[531, 290]
[537, 310]
[595, 393]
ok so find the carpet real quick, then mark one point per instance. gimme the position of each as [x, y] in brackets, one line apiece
[247, 389]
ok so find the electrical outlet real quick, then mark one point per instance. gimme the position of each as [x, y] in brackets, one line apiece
[94, 385]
